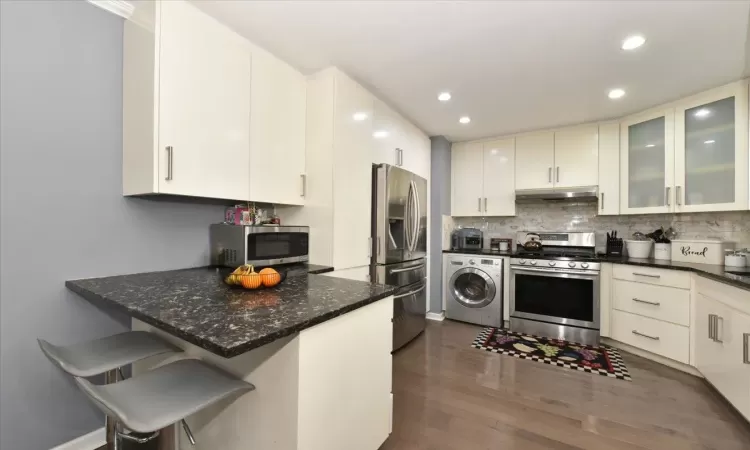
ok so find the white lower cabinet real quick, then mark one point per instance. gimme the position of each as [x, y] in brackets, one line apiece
[657, 302]
[663, 338]
[722, 353]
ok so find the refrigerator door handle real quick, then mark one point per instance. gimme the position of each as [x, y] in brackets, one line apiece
[417, 217]
[407, 219]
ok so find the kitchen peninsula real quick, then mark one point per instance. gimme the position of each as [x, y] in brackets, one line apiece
[317, 348]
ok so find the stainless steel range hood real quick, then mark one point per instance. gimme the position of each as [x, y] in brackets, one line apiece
[586, 194]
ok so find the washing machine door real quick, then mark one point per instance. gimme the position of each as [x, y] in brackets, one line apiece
[472, 287]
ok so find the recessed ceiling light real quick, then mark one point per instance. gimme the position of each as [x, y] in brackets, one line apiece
[633, 42]
[380, 134]
[444, 96]
[703, 112]
[650, 145]
[709, 141]
[359, 116]
[465, 119]
[616, 93]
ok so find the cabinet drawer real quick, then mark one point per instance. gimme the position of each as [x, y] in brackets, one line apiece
[658, 302]
[650, 275]
[663, 338]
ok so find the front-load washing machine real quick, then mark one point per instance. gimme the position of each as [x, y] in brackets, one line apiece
[474, 289]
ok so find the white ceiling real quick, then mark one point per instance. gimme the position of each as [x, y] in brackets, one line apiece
[510, 65]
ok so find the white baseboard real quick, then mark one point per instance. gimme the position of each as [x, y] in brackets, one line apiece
[436, 316]
[90, 441]
[653, 357]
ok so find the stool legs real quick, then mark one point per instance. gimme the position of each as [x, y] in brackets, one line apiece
[109, 423]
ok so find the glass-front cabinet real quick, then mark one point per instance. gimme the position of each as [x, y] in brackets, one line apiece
[647, 163]
[711, 150]
[689, 157]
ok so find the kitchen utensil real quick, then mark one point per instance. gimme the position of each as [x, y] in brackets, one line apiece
[533, 242]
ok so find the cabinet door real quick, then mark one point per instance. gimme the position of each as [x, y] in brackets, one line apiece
[576, 156]
[204, 105]
[499, 178]
[738, 340]
[609, 169]
[277, 139]
[388, 137]
[535, 161]
[711, 151]
[708, 353]
[352, 173]
[647, 163]
[466, 179]
[416, 155]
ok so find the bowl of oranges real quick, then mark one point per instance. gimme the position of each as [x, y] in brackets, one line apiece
[246, 277]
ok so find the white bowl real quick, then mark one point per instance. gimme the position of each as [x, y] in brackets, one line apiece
[638, 249]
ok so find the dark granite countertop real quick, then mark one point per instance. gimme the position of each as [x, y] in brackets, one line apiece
[714, 272]
[196, 306]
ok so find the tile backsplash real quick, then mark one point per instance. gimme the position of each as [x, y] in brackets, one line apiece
[731, 226]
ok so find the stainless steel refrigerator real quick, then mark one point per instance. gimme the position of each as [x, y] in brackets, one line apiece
[399, 246]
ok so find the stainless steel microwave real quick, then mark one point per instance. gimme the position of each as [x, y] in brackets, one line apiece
[261, 245]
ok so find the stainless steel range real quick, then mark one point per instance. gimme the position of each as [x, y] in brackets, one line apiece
[554, 291]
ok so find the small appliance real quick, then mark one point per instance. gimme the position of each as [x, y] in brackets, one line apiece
[399, 246]
[474, 289]
[261, 245]
[467, 239]
[554, 290]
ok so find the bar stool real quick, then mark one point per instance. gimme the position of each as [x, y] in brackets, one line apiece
[107, 356]
[163, 396]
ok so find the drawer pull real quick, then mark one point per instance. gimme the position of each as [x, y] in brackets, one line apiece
[711, 326]
[646, 302]
[718, 339]
[746, 348]
[646, 275]
[655, 338]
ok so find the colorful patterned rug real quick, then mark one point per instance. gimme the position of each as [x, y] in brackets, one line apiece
[602, 360]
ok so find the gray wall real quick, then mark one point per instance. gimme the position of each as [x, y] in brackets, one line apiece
[440, 204]
[62, 215]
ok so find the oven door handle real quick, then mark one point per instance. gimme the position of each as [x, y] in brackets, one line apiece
[415, 291]
[572, 272]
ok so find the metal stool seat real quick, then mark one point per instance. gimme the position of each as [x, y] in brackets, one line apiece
[165, 395]
[91, 358]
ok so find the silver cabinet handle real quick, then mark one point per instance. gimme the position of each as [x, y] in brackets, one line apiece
[711, 326]
[646, 302]
[557, 175]
[479, 204]
[549, 175]
[678, 195]
[377, 250]
[401, 157]
[746, 348]
[646, 275]
[303, 177]
[170, 157]
[369, 247]
[717, 329]
[638, 333]
[666, 194]
[485, 204]
[408, 269]
[416, 291]
[602, 205]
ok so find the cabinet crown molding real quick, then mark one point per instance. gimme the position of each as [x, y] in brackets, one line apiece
[121, 8]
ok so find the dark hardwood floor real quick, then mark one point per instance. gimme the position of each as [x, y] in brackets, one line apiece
[448, 395]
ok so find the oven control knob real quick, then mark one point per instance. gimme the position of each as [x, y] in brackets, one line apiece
[522, 261]
[532, 262]
[472, 262]
[585, 265]
[552, 263]
[571, 264]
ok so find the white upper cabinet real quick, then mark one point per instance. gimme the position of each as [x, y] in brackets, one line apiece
[535, 160]
[277, 137]
[576, 156]
[711, 150]
[647, 163]
[466, 179]
[609, 169]
[186, 104]
[499, 178]
[398, 142]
